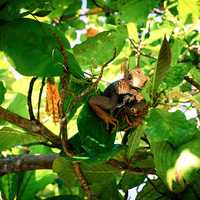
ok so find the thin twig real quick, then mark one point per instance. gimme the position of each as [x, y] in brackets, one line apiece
[135, 49]
[39, 98]
[82, 180]
[29, 98]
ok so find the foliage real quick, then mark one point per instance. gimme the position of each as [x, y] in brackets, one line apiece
[80, 52]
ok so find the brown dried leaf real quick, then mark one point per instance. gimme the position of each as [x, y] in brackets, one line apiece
[52, 100]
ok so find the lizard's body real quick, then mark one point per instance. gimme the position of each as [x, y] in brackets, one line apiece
[117, 94]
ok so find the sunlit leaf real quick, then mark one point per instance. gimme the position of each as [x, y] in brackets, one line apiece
[176, 73]
[98, 50]
[189, 11]
[136, 11]
[176, 48]
[10, 137]
[19, 102]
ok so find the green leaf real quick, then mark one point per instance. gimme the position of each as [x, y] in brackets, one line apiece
[8, 186]
[130, 180]
[98, 50]
[136, 10]
[37, 53]
[154, 190]
[176, 48]
[176, 73]
[169, 126]
[177, 167]
[188, 11]
[195, 73]
[2, 92]
[19, 102]
[163, 64]
[25, 185]
[98, 176]
[93, 134]
[10, 137]
[134, 141]
[33, 182]
[11, 10]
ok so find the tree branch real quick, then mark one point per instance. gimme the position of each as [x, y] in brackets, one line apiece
[32, 126]
[26, 162]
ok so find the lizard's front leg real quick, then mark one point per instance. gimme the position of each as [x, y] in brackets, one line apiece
[99, 105]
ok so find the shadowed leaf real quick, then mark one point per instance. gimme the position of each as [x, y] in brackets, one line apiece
[163, 64]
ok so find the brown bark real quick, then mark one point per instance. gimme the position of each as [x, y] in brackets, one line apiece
[26, 162]
[33, 126]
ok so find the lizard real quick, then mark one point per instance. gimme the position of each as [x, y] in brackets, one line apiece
[117, 94]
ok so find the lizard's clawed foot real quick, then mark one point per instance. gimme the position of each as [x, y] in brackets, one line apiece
[109, 120]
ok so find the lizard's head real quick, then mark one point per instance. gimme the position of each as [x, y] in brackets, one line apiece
[137, 78]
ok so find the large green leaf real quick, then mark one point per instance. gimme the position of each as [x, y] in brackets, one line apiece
[176, 73]
[136, 10]
[98, 176]
[169, 126]
[93, 134]
[189, 11]
[2, 92]
[10, 137]
[98, 50]
[37, 53]
[177, 167]
[25, 185]
[163, 64]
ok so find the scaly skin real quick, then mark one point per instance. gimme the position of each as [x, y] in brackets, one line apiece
[117, 94]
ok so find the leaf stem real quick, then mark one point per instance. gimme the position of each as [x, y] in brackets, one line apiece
[29, 98]
[40, 97]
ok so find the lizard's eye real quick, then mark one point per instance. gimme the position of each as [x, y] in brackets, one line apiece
[129, 77]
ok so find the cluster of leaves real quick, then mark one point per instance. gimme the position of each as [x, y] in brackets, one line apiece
[29, 32]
